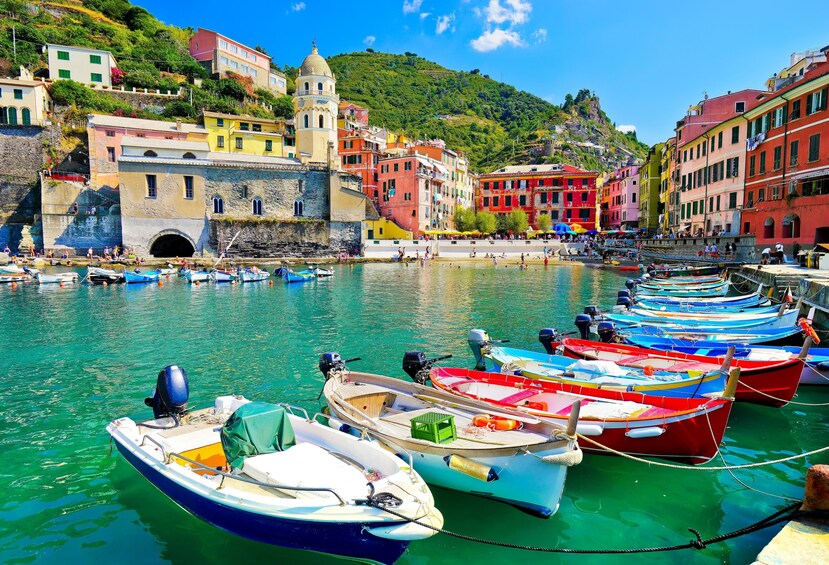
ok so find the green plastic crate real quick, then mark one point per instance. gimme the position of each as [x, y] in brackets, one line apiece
[435, 427]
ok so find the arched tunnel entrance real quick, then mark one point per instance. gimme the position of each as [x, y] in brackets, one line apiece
[172, 245]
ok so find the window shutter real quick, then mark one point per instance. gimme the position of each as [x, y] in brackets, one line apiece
[823, 94]
[808, 104]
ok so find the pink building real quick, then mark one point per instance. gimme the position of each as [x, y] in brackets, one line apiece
[623, 206]
[410, 193]
[105, 135]
[220, 55]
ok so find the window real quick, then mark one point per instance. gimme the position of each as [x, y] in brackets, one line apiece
[407, 166]
[555, 197]
[793, 149]
[305, 121]
[257, 206]
[778, 154]
[633, 197]
[151, 186]
[188, 155]
[220, 122]
[508, 201]
[732, 200]
[814, 147]
[569, 197]
[739, 107]
[95, 59]
[735, 135]
[396, 167]
[110, 133]
[543, 197]
[188, 187]
[795, 109]
[268, 145]
[322, 122]
[244, 126]
[554, 215]
[220, 141]
[222, 44]
[584, 213]
[486, 201]
[234, 65]
[96, 77]
[297, 207]
[540, 182]
[695, 206]
[18, 94]
[224, 61]
[63, 55]
[816, 101]
[719, 141]
[111, 154]
[257, 127]
[718, 203]
[26, 116]
[239, 143]
[150, 153]
[751, 163]
[569, 182]
[245, 69]
[768, 228]
[307, 87]
[62, 73]
[494, 201]
[762, 162]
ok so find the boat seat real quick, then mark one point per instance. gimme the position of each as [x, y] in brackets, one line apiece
[518, 396]
[308, 465]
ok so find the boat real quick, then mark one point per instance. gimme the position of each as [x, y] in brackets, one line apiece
[168, 271]
[684, 429]
[752, 335]
[98, 275]
[224, 276]
[253, 275]
[13, 269]
[14, 278]
[727, 304]
[67, 277]
[772, 383]
[136, 277]
[271, 473]
[718, 289]
[192, 276]
[438, 429]
[669, 271]
[291, 277]
[815, 369]
[320, 272]
[680, 321]
[680, 281]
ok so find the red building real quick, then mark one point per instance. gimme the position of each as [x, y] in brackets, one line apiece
[359, 153]
[565, 193]
[787, 171]
[410, 193]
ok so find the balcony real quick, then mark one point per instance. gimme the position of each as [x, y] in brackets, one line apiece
[315, 92]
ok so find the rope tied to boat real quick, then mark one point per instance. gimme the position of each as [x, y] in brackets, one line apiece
[760, 392]
[381, 500]
[568, 459]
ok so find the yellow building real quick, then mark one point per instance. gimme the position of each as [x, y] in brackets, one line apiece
[228, 133]
[24, 102]
[667, 185]
[384, 228]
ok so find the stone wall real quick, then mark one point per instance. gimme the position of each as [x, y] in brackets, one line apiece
[63, 228]
[275, 238]
[21, 159]
[691, 248]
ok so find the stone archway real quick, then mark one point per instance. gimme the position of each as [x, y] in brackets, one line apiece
[172, 243]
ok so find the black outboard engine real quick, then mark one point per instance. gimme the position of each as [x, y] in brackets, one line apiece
[413, 363]
[630, 284]
[547, 337]
[606, 331]
[583, 324]
[591, 311]
[623, 301]
[172, 391]
[331, 361]
[625, 293]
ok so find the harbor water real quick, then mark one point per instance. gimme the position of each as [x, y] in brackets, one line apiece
[74, 358]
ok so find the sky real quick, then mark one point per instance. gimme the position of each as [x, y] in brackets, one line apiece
[647, 61]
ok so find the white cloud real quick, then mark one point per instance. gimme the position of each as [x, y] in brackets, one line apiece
[444, 23]
[298, 7]
[424, 15]
[626, 129]
[514, 12]
[369, 40]
[411, 6]
[495, 38]
[540, 35]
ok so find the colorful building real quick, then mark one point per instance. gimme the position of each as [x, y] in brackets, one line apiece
[228, 133]
[669, 174]
[563, 192]
[622, 188]
[220, 54]
[24, 102]
[315, 111]
[87, 66]
[411, 189]
[787, 170]
[106, 133]
[650, 180]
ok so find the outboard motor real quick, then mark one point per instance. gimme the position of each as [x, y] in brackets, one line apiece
[413, 363]
[331, 361]
[637, 282]
[630, 284]
[606, 331]
[172, 391]
[591, 311]
[547, 337]
[477, 339]
[651, 270]
[583, 324]
[623, 301]
[625, 293]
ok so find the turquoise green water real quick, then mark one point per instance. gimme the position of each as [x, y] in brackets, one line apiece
[75, 358]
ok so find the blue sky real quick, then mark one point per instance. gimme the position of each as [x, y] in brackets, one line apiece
[646, 60]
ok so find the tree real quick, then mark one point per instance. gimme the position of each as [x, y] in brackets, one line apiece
[486, 222]
[464, 219]
[544, 222]
[517, 221]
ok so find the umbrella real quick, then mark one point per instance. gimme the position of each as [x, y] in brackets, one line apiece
[592, 232]
[577, 228]
[611, 232]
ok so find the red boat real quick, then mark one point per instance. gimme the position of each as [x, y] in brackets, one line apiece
[684, 429]
[771, 383]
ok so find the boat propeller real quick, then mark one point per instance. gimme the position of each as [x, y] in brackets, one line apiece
[417, 366]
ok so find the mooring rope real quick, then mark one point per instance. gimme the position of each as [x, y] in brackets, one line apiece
[781, 399]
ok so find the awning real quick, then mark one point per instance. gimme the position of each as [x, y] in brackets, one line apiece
[824, 172]
[439, 166]
[425, 162]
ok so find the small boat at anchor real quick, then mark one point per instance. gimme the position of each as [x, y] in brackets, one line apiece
[291, 277]
[224, 276]
[68, 277]
[192, 276]
[273, 474]
[98, 275]
[137, 277]
[252, 274]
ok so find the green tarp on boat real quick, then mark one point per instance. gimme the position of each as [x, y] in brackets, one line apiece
[256, 428]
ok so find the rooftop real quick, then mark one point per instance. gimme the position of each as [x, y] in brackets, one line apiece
[101, 120]
[144, 143]
[243, 117]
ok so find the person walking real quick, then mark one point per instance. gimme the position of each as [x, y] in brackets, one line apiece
[778, 251]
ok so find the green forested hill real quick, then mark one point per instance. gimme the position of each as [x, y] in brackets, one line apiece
[492, 122]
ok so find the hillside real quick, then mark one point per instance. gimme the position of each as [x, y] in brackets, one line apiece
[493, 123]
